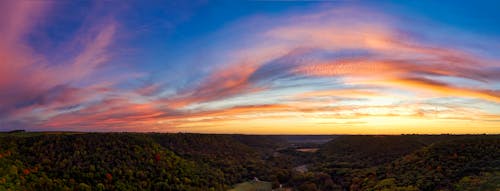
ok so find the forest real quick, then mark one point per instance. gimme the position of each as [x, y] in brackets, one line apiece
[186, 161]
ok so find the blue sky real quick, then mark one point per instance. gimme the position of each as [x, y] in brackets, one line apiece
[245, 66]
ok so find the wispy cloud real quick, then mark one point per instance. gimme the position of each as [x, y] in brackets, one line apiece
[343, 68]
[32, 89]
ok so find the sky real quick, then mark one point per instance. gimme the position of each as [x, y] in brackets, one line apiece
[252, 67]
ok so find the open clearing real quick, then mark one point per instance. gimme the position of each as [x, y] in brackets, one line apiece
[253, 186]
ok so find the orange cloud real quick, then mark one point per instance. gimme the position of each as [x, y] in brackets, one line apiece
[223, 83]
[421, 84]
[302, 53]
[401, 75]
[353, 93]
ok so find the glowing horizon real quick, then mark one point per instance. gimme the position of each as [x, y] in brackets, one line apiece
[250, 67]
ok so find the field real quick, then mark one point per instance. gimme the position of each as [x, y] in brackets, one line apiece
[252, 186]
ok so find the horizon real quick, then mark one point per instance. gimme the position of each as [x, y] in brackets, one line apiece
[254, 68]
[202, 133]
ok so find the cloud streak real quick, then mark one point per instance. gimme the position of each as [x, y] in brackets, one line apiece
[34, 89]
[327, 71]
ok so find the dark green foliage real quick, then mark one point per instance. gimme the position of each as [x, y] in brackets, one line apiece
[483, 181]
[261, 141]
[365, 151]
[438, 166]
[441, 165]
[135, 161]
[234, 159]
[100, 161]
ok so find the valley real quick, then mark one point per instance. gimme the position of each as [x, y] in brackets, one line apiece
[185, 161]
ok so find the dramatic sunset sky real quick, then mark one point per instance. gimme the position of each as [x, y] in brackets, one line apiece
[373, 67]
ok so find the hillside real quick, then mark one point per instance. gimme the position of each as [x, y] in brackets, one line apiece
[365, 151]
[157, 161]
[98, 162]
[412, 162]
[235, 160]
[443, 165]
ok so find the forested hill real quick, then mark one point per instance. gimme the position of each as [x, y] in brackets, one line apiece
[98, 162]
[130, 161]
[157, 161]
[360, 151]
[413, 162]
[236, 161]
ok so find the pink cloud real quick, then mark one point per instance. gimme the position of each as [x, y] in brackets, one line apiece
[226, 82]
[51, 95]
[28, 83]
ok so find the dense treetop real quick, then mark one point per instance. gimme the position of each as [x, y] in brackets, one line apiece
[157, 161]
